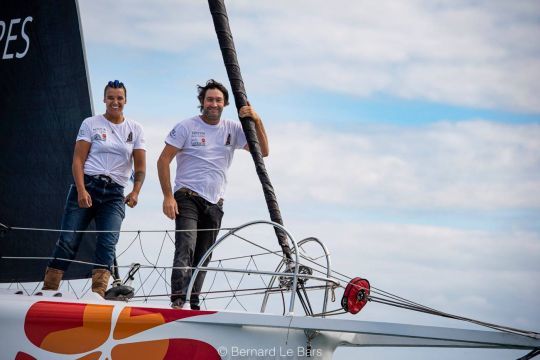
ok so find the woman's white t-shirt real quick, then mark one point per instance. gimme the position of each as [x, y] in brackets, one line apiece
[111, 152]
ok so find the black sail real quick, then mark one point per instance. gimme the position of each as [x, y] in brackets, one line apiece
[228, 51]
[44, 96]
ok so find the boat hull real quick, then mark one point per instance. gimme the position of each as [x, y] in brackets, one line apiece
[50, 327]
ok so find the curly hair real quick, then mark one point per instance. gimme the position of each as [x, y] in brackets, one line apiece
[211, 84]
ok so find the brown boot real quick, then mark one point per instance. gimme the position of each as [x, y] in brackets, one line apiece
[52, 279]
[100, 281]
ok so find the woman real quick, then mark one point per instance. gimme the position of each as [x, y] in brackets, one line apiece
[107, 147]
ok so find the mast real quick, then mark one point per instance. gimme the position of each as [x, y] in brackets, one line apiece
[228, 51]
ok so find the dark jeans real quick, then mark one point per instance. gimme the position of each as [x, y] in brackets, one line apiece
[108, 211]
[190, 246]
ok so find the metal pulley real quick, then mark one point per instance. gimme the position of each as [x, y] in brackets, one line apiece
[356, 295]
[123, 291]
[285, 282]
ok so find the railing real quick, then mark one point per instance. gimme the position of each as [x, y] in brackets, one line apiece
[274, 274]
[282, 264]
[285, 269]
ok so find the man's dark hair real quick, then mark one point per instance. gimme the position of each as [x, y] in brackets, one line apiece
[211, 84]
[115, 85]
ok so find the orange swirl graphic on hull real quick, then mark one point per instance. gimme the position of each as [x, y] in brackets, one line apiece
[72, 328]
[68, 328]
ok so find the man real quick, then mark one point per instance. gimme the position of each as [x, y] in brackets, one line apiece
[106, 149]
[203, 146]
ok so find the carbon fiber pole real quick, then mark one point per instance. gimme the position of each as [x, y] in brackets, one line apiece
[226, 43]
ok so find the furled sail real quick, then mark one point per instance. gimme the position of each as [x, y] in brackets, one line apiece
[44, 96]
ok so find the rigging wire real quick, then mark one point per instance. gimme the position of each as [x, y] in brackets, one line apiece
[384, 298]
[430, 311]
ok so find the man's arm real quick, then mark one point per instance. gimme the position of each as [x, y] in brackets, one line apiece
[248, 111]
[80, 154]
[170, 207]
[139, 164]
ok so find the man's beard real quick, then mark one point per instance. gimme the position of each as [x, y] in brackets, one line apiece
[214, 115]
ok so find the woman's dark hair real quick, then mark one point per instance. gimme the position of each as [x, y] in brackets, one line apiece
[211, 84]
[116, 84]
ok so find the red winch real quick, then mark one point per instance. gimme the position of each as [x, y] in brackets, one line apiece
[356, 295]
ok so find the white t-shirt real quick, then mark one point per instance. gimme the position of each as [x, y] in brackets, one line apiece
[111, 152]
[206, 153]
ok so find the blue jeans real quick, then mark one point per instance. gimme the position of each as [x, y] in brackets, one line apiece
[107, 210]
[190, 246]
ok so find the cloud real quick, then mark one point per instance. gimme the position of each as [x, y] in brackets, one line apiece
[459, 271]
[458, 54]
[470, 165]
[476, 54]
[162, 25]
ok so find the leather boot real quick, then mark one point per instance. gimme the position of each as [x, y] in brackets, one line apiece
[52, 279]
[100, 281]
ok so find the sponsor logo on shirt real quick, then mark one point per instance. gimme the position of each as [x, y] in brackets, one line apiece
[173, 133]
[100, 134]
[198, 138]
[228, 142]
[130, 137]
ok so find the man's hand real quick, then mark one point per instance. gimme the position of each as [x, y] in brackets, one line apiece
[84, 199]
[131, 199]
[170, 207]
[248, 111]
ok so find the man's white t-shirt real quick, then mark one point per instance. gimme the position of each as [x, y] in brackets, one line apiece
[111, 152]
[206, 153]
